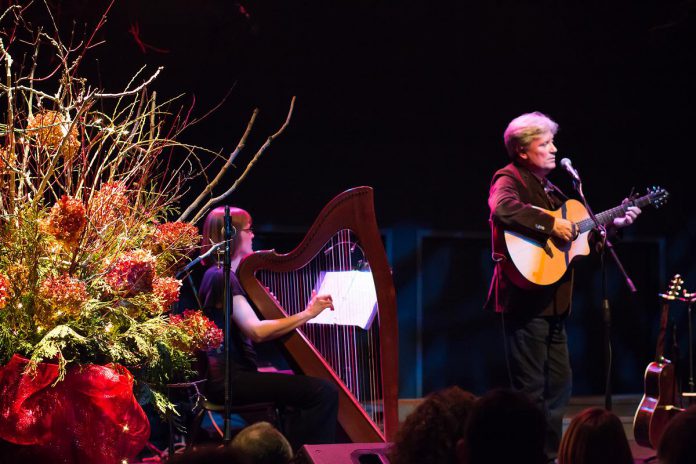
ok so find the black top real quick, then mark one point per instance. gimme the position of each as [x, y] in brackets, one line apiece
[242, 353]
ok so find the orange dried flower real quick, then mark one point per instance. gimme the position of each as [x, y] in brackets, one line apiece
[7, 158]
[172, 242]
[62, 296]
[49, 128]
[178, 236]
[108, 204]
[18, 278]
[67, 220]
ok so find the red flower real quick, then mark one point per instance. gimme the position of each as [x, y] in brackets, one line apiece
[167, 289]
[67, 220]
[131, 273]
[4, 290]
[204, 333]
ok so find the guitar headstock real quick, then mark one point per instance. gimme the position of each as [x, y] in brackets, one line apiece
[657, 196]
[675, 287]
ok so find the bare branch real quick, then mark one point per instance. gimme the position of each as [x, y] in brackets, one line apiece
[251, 164]
[33, 91]
[230, 161]
[10, 121]
[131, 92]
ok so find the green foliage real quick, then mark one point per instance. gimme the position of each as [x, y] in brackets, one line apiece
[83, 196]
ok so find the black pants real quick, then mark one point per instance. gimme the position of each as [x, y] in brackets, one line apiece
[540, 367]
[314, 402]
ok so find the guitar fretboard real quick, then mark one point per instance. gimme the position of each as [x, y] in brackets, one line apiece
[606, 217]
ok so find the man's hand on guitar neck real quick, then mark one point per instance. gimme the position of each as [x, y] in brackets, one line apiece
[632, 213]
[564, 229]
[568, 230]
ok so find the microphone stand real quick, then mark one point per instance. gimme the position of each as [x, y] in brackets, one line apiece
[690, 299]
[226, 267]
[606, 309]
[187, 270]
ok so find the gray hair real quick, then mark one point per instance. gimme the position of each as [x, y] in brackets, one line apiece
[524, 129]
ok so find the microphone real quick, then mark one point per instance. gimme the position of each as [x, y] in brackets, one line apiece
[228, 224]
[190, 265]
[566, 164]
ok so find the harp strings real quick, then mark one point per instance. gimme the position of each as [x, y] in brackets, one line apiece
[351, 351]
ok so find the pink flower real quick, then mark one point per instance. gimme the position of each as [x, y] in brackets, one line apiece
[131, 273]
[4, 290]
[67, 220]
[167, 289]
[204, 333]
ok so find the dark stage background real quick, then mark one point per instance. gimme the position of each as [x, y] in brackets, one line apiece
[412, 98]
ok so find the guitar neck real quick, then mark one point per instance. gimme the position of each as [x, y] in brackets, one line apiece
[664, 316]
[606, 217]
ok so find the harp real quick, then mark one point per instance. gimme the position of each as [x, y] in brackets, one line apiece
[342, 245]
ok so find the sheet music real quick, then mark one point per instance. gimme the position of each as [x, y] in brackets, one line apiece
[354, 298]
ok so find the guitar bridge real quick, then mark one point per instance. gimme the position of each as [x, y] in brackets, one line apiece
[548, 250]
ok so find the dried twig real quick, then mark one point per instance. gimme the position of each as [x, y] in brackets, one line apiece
[228, 164]
[251, 164]
[133, 91]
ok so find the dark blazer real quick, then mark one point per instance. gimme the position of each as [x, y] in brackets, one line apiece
[514, 193]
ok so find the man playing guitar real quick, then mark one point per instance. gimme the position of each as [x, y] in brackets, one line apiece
[534, 316]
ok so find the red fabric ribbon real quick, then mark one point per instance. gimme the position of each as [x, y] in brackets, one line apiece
[89, 417]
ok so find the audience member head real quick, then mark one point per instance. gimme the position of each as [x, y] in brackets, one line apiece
[206, 454]
[595, 436]
[504, 427]
[431, 432]
[678, 442]
[261, 443]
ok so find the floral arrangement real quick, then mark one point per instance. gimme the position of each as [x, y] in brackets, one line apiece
[89, 242]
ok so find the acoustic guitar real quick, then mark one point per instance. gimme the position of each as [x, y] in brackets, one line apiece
[535, 263]
[658, 405]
